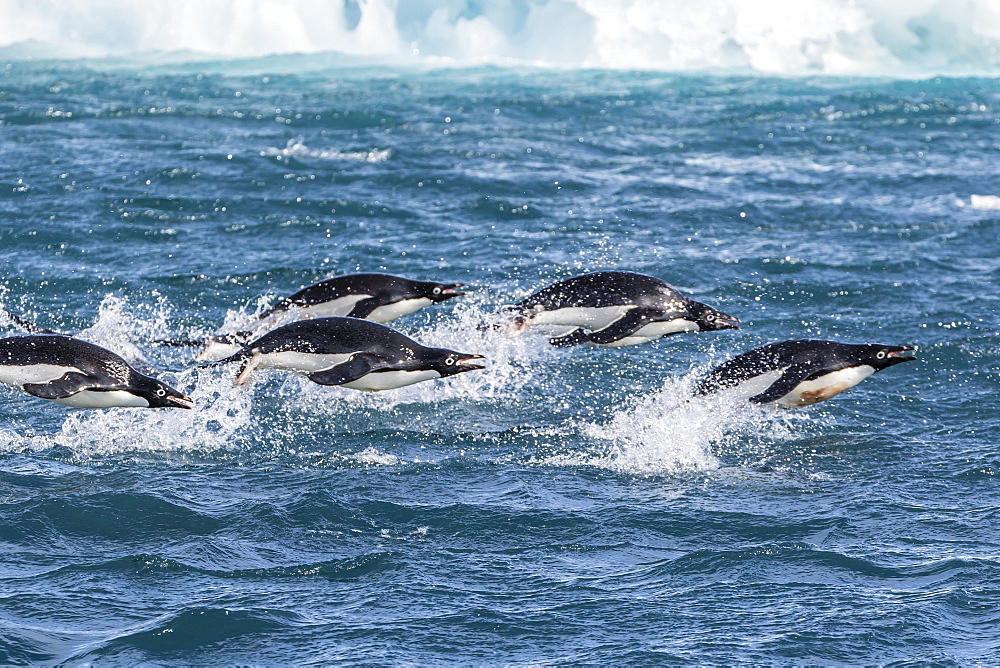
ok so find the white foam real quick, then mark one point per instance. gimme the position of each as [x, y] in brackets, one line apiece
[116, 328]
[985, 202]
[668, 431]
[374, 457]
[220, 413]
[887, 37]
[296, 149]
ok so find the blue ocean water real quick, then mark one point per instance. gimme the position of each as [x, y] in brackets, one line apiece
[565, 505]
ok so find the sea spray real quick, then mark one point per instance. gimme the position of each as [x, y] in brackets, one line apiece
[671, 431]
[217, 421]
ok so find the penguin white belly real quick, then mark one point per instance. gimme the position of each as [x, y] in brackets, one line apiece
[586, 317]
[653, 331]
[91, 399]
[216, 350]
[299, 361]
[398, 310]
[751, 387]
[820, 389]
[33, 373]
[390, 380]
[340, 306]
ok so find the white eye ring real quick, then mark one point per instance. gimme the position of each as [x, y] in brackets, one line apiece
[160, 392]
[710, 317]
[449, 361]
[880, 355]
[437, 291]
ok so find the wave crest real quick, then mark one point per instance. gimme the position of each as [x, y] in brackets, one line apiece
[890, 37]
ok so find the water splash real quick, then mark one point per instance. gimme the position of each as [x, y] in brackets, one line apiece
[278, 406]
[669, 432]
[118, 327]
[511, 363]
[663, 432]
[219, 416]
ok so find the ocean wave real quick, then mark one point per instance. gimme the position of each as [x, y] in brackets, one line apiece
[190, 629]
[335, 568]
[867, 37]
[981, 202]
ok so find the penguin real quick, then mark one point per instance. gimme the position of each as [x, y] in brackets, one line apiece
[350, 352]
[798, 373]
[75, 373]
[619, 308]
[377, 297]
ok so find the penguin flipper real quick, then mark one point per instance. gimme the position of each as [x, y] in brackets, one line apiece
[573, 337]
[789, 378]
[71, 383]
[357, 366]
[364, 308]
[630, 322]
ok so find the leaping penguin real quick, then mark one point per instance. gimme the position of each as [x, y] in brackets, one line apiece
[350, 352]
[80, 374]
[802, 372]
[377, 297]
[619, 308]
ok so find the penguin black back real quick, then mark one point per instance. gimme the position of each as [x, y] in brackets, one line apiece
[604, 288]
[59, 350]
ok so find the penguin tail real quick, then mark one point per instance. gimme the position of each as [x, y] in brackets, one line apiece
[237, 357]
[27, 325]
[238, 338]
[505, 320]
[177, 343]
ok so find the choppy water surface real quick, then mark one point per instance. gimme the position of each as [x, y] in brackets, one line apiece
[567, 505]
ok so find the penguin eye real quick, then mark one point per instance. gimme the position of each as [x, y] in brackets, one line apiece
[449, 361]
[710, 317]
[880, 355]
[160, 392]
[437, 291]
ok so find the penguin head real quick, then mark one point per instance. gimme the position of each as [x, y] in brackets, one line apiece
[881, 357]
[450, 362]
[516, 325]
[439, 292]
[709, 319]
[157, 394]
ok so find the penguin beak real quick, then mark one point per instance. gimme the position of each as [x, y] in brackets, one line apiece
[724, 321]
[181, 401]
[893, 357]
[467, 363]
[450, 291]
